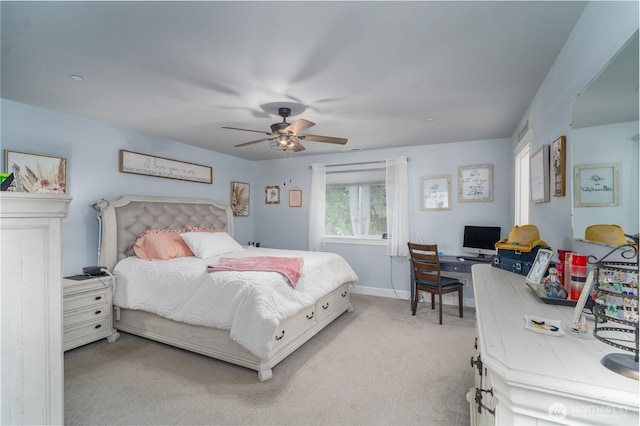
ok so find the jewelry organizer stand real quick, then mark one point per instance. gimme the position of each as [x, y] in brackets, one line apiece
[616, 309]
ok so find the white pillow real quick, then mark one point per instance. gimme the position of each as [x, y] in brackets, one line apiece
[211, 244]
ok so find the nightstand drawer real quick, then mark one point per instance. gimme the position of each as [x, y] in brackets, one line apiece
[77, 317]
[87, 330]
[84, 300]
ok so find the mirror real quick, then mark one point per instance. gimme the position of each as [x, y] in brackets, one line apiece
[604, 138]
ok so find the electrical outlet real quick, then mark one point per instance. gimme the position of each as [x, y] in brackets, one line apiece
[421, 298]
[465, 282]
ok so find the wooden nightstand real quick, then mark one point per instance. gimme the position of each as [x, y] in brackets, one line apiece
[88, 314]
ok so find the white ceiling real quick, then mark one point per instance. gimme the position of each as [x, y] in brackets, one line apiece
[372, 72]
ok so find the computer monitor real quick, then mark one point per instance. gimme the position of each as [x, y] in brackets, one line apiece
[480, 240]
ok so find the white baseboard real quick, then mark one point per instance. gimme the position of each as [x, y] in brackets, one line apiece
[448, 299]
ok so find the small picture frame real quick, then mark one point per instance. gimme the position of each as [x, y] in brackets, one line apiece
[295, 198]
[582, 300]
[272, 194]
[240, 197]
[435, 192]
[539, 267]
[475, 183]
[37, 173]
[558, 166]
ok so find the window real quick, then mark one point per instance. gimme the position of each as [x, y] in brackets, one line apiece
[356, 204]
[522, 182]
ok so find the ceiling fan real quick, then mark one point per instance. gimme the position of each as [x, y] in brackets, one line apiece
[286, 136]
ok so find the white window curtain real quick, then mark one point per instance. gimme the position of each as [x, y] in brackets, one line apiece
[397, 206]
[317, 207]
[360, 209]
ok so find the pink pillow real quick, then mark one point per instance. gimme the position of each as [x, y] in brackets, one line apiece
[161, 244]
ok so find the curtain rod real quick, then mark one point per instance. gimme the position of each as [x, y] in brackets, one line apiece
[356, 164]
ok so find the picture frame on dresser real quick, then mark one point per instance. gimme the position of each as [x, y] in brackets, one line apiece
[539, 267]
[37, 173]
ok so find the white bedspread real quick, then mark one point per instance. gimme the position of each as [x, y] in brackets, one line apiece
[249, 304]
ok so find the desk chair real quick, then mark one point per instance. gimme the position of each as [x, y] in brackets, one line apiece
[426, 276]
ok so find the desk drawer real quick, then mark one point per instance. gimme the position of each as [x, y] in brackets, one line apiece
[462, 267]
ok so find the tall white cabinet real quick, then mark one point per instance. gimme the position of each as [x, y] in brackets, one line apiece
[32, 386]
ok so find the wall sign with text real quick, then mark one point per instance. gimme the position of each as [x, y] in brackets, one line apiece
[475, 183]
[596, 185]
[144, 164]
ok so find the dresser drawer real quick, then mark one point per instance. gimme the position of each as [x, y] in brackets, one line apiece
[86, 299]
[334, 302]
[295, 326]
[84, 315]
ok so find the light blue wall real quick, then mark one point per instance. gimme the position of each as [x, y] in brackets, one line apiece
[284, 226]
[92, 153]
[603, 28]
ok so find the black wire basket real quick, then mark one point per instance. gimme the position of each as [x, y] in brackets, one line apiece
[616, 308]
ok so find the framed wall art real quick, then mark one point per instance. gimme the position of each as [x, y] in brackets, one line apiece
[475, 183]
[435, 192]
[558, 166]
[150, 165]
[272, 194]
[36, 172]
[295, 198]
[240, 196]
[596, 185]
[539, 175]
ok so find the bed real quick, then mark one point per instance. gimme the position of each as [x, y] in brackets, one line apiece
[258, 317]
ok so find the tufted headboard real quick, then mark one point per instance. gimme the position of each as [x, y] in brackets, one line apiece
[124, 219]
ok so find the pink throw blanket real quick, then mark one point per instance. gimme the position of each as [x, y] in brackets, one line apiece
[290, 267]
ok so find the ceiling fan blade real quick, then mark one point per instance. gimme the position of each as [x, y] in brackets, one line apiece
[299, 126]
[298, 147]
[248, 130]
[252, 142]
[327, 139]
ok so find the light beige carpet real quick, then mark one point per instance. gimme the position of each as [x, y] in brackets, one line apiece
[378, 365]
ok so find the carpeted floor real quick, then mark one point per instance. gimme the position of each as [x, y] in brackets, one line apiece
[378, 365]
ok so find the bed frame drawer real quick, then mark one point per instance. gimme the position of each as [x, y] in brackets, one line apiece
[333, 304]
[295, 326]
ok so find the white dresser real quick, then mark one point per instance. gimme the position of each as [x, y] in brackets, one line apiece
[88, 315]
[32, 389]
[526, 378]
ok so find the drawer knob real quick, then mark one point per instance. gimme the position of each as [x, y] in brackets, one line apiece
[326, 306]
[98, 297]
[97, 326]
[281, 336]
[97, 312]
[310, 316]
